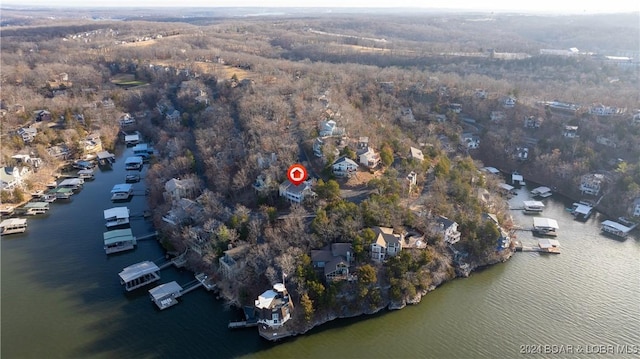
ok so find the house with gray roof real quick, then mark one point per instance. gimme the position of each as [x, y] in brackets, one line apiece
[334, 261]
[386, 244]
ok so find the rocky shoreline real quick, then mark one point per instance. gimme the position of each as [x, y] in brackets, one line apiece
[499, 257]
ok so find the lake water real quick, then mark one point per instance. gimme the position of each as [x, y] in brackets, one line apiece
[61, 298]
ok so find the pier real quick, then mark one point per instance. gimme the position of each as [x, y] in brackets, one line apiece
[147, 236]
[166, 295]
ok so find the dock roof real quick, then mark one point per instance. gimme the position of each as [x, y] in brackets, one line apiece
[542, 222]
[71, 182]
[583, 209]
[37, 205]
[137, 270]
[122, 187]
[13, 222]
[116, 212]
[533, 204]
[617, 226]
[134, 159]
[164, 290]
[103, 155]
[61, 190]
[548, 243]
[118, 235]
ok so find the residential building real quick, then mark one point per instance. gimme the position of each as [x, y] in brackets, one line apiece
[522, 153]
[12, 177]
[532, 122]
[369, 158]
[334, 261]
[635, 120]
[386, 244]
[317, 147]
[636, 207]
[448, 229]
[570, 131]
[176, 188]
[126, 120]
[344, 167]
[232, 261]
[296, 194]
[412, 178]
[330, 128]
[42, 115]
[509, 102]
[470, 141]
[591, 183]
[173, 116]
[273, 307]
[602, 110]
[263, 184]
[27, 133]
[363, 143]
[406, 114]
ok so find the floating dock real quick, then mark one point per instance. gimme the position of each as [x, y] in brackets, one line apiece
[165, 295]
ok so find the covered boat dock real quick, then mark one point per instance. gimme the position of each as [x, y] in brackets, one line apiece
[116, 216]
[119, 240]
[139, 275]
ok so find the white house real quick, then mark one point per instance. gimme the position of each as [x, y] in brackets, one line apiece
[591, 183]
[296, 194]
[273, 307]
[509, 102]
[636, 207]
[448, 229]
[126, 120]
[470, 141]
[12, 177]
[386, 244]
[344, 167]
[27, 133]
[570, 131]
[369, 158]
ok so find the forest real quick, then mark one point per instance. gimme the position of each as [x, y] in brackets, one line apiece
[228, 102]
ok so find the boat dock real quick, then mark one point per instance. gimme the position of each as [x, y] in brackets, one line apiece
[544, 246]
[147, 236]
[165, 295]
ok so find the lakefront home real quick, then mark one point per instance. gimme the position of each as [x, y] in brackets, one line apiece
[591, 183]
[344, 167]
[334, 261]
[448, 229]
[386, 244]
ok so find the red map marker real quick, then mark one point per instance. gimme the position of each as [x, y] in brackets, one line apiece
[297, 174]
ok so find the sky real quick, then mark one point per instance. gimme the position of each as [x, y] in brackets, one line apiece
[547, 6]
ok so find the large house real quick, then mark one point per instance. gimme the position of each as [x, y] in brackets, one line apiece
[369, 158]
[448, 229]
[27, 133]
[273, 307]
[329, 128]
[344, 167]
[12, 177]
[386, 244]
[232, 261]
[591, 183]
[296, 194]
[176, 188]
[334, 260]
